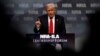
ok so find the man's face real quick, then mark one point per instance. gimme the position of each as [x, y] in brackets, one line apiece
[50, 11]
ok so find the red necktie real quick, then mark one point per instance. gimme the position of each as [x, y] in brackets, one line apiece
[51, 26]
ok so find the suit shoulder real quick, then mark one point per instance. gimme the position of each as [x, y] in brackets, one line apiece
[59, 16]
[42, 16]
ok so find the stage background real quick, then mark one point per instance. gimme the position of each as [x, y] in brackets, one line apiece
[23, 13]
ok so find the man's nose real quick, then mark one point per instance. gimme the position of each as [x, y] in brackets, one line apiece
[50, 11]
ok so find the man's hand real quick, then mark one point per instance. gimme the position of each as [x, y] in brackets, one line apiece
[38, 24]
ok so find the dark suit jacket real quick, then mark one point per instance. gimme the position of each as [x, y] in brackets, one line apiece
[59, 25]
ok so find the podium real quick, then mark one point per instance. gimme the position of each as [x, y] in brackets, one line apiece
[69, 36]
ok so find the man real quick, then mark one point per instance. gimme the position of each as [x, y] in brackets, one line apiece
[50, 23]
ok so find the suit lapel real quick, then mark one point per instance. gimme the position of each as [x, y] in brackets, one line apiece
[56, 23]
[46, 24]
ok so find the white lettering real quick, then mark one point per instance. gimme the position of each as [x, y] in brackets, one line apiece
[49, 36]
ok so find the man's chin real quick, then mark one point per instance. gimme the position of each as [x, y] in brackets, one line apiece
[51, 15]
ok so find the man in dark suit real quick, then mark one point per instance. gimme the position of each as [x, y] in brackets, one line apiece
[59, 25]
[50, 23]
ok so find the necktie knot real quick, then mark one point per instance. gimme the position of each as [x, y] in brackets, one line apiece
[51, 17]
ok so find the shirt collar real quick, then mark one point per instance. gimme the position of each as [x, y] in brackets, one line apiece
[53, 17]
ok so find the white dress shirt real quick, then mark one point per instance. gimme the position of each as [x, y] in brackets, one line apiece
[53, 19]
